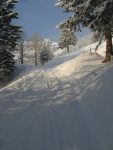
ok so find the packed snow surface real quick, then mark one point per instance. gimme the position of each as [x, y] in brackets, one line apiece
[62, 106]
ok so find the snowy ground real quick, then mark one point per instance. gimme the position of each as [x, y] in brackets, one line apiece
[68, 106]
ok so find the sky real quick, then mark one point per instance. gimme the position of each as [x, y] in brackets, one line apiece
[42, 16]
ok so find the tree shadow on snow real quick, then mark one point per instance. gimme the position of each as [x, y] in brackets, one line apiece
[74, 111]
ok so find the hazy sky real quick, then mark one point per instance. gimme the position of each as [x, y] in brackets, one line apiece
[41, 16]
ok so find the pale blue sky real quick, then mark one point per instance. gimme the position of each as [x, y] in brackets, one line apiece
[41, 16]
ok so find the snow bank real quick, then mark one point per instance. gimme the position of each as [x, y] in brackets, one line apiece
[22, 71]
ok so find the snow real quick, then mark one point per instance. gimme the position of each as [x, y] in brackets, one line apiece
[65, 105]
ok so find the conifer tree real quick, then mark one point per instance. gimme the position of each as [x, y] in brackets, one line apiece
[97, 15]
[67, 37]
[9, 35]
[45, 54]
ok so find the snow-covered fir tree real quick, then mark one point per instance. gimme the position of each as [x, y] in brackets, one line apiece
[101, 21]
[97, 15]
[9, 35]
[67, 37]
[46, 54]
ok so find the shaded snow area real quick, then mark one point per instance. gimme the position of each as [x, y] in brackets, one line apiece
[65, 106]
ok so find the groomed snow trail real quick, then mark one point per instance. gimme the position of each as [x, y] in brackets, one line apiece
[62, 108]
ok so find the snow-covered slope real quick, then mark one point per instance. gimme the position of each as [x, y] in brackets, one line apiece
[67, 105]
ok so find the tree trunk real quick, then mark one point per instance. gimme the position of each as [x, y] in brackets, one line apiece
[90, 51]
[68, 48]
[108, 39]
[36, 55]
[21, 52]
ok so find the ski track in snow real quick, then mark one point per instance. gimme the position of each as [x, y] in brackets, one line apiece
[52, 110]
